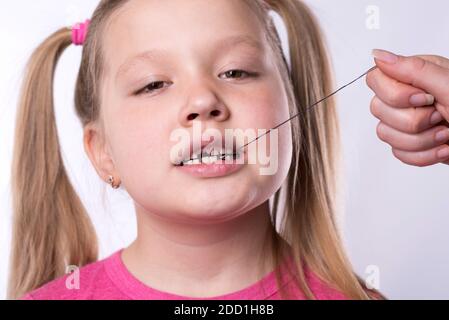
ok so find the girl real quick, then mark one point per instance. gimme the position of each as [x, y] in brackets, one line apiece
[149, 68]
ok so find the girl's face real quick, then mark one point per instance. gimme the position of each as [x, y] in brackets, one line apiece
[182, 52]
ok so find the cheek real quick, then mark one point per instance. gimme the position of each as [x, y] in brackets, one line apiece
[138, 147]
[264, 107]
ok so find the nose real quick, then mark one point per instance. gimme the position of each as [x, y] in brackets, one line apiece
[203, 105]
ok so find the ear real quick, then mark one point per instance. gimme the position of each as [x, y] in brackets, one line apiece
[98, 151]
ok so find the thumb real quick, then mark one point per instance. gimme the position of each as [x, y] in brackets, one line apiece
[429, 73]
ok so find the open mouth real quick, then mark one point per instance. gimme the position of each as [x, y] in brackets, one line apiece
[210, 158]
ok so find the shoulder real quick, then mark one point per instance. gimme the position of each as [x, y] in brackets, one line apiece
[82, 284]
[321, 289]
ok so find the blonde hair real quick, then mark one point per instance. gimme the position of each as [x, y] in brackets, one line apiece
[51, 228]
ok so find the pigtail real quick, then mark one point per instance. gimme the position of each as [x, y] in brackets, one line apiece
[51, 228]
[310, 211]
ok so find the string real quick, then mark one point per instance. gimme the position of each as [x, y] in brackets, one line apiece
[310, 107]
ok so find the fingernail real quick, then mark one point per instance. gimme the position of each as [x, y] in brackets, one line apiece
[385, 56]
[442, 136]
[435, 118]
[422, 99]
[443, 153]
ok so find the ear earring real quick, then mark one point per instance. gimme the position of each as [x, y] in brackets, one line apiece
[111, 182]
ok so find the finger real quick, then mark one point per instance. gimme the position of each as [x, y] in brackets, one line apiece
[394, 92]
[438, 60]
[423, 158]
[416, 71]
[443, 110]
[426, 140]
[408, 120]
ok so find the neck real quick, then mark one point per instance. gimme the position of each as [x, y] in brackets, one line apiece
[201, 260]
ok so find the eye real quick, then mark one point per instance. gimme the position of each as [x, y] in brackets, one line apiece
[238, 74]
[153, 86]
[157, 85]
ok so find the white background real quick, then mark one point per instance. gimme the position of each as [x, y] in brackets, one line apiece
[396, 217]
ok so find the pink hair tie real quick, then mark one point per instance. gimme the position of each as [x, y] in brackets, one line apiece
[79, 33]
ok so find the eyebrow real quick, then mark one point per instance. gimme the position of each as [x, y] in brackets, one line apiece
[221, 46]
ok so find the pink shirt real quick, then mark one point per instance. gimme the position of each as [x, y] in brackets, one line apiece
[109, 279]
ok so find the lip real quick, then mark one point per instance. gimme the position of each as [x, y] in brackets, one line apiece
[213, 170]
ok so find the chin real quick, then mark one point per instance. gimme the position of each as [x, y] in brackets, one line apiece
[216, 206]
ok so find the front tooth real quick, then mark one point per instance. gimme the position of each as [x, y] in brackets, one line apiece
[217, 153]
[208, 160]
[196, 160]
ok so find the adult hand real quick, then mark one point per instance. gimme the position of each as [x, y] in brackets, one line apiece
[412, 103]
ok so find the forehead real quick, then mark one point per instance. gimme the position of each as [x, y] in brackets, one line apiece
[180, 27]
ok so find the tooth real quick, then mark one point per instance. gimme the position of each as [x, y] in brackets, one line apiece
[210, 153]
[196, 160]
[208, 160]
[216, 153]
